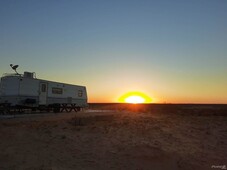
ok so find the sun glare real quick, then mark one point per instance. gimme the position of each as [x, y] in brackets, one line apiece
[134, 98]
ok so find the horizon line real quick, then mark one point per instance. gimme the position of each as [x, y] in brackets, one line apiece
[158, 103]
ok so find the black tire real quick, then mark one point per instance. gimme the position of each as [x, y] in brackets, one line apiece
[56, 109]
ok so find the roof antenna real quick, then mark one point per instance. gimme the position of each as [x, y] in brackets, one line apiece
[14, 67]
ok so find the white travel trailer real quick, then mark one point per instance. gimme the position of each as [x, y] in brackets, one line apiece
[19, 91]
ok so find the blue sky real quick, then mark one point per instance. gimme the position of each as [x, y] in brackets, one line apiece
[174, 51]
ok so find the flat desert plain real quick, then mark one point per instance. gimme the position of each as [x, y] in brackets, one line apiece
[103, 137]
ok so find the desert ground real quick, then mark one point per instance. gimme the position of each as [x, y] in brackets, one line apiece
[163, 137]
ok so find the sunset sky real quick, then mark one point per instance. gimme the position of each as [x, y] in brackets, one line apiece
[174, 51]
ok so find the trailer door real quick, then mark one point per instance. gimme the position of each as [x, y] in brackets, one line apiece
[43, 93]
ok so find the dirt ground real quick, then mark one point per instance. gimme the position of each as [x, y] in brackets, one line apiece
[105, 139]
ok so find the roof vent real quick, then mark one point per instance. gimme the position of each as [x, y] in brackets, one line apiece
[28, 74]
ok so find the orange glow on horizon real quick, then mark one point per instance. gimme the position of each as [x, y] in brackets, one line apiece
[134, 98]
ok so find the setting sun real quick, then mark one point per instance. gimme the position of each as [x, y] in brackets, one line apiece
[134, 98]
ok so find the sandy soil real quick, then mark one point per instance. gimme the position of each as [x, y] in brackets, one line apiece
[113, 140]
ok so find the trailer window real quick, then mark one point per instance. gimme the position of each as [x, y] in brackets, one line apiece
[80, 93]
[43, 88]
[56, 90]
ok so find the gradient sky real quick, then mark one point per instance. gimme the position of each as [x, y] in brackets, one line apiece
[173, 51]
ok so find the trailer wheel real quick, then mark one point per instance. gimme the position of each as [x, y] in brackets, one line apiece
[56, 109]
[5, 112]
[1, 110]
[5, 109]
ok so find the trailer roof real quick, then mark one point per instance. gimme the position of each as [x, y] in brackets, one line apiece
[22, 76]
[12, 74]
